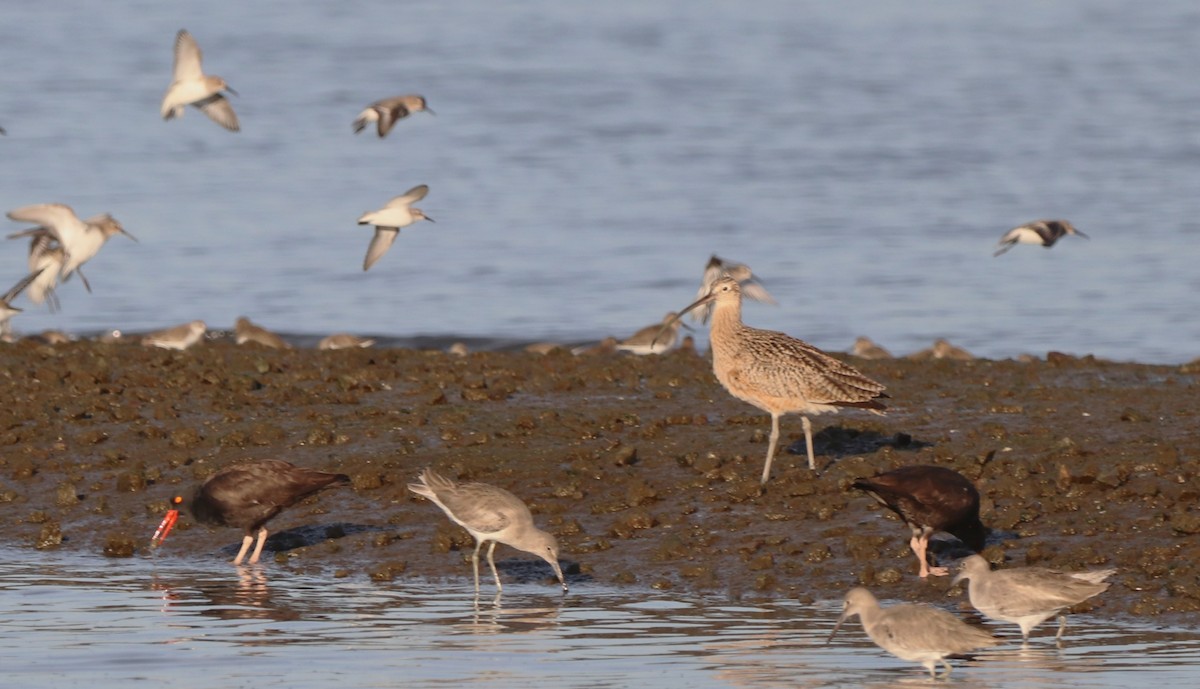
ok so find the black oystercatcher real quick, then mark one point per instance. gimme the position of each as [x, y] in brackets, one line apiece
[250, 494]
[929, 499]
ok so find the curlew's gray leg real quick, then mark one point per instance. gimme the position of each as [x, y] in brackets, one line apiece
[771, 447]
[246, 541]
[475, 564]
[812, 463]
[492, 564]
[262, 539]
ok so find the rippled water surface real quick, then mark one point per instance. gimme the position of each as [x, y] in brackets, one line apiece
[586, 159]
[79, 621]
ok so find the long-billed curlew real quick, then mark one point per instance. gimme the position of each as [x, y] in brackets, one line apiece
[779, 373]
[1044, 232]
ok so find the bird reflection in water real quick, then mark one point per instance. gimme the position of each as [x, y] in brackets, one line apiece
[246, 596]
[492, 618]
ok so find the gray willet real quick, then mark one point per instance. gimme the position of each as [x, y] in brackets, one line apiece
[191, 86]
[179, 337]
[248, 495]
[386, 112]
[388, 220]
[929, 499]
[1044, 232]
[718, 267]
[911, 631]
[7, 310]
[490, 514]
[778, 373]
[80, 239]
[1028, 596]
[653, 339]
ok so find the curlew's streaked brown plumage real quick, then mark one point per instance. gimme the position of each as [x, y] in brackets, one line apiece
[387, 111]
[778, 373]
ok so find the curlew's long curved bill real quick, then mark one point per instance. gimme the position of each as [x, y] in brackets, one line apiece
[1081, 234]
[706, 299]
[129, 235]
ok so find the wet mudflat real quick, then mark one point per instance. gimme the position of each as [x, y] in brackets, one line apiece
[644, 467]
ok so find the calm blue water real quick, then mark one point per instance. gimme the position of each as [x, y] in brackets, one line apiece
[586, 160]
[80, 621]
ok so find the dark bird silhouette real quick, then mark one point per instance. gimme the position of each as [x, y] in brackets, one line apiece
[248, 495]
[930, 499]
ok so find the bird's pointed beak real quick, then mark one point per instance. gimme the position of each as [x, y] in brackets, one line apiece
[1082, 234]
[168, 521]
[699, 302]
[836, 627]
[230, 89]
[129, 235]
[957, 578]
[430, 111]
[430, 219]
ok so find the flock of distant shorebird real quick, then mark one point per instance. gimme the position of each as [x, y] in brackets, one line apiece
[772, 371]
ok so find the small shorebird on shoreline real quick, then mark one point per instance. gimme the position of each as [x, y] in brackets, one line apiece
[179, 337]
[778, 373]
[490, 514]
[80, 239]
[653, 339]
[245, 330]
[1044, 232]
[191, 86]
[912, 631]
[388, 111]
[388, 220]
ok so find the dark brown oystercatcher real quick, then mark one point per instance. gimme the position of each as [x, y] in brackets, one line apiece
[929, 499]
[250, 494]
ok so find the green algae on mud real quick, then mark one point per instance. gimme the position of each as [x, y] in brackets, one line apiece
[644, 467]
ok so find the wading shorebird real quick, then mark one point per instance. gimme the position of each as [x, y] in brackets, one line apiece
[929, 499]
[778, 373]
[191, 86]
[248, 495]
[653, 339]
[7, 310]
[912, 631]
[80, 239]
[388, 220]
[1028, 596]
[179, 337]
[387, 111]
[717, 267]
[1044, 232]
[490, 514]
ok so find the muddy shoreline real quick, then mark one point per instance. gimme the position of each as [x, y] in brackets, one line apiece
[644, 467]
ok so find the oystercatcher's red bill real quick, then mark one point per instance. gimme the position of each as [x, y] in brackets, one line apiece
[164, 527]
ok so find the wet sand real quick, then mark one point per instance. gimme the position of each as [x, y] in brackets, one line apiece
[644, 467]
